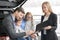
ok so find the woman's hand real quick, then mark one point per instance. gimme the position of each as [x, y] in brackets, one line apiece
[48, 27]
[29, 32]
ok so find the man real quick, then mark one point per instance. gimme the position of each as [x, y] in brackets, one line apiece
[9, 25]
[20, 24]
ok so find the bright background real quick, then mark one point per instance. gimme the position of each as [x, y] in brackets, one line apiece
[34, 6]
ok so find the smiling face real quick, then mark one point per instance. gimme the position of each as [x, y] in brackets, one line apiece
[29, 17]
[45, 8]
[19, 16]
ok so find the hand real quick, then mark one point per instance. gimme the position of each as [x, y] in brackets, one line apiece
[29, 32]
[48, 27]
[33, 35]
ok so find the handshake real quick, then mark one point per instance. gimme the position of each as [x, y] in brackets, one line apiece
[31, 33]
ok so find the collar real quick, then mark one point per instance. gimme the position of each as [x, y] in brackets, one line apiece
[13, 17]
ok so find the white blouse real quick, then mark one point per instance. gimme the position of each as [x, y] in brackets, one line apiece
[45, 19]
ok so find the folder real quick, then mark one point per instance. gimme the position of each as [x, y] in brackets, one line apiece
[41, 25]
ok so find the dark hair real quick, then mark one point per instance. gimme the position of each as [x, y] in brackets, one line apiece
[19, 9]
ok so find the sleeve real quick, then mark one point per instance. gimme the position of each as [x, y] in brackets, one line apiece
[10, 31]
[54, 22]
[27, 27]
[34, 25]
[38, 25]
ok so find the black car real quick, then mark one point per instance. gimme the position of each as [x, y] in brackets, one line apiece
[7, 6]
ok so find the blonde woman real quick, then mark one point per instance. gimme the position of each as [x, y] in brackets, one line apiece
[50, 19]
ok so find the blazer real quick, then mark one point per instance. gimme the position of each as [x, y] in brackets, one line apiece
[9, 28]
[51, 34]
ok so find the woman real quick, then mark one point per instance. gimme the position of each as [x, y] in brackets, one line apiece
[48, 32]
[29, 23]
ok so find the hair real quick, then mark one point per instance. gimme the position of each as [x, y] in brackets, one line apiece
[20, 9]
[29, 13]
[48, 5]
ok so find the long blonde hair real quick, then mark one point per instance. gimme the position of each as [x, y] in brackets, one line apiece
[48, 5]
